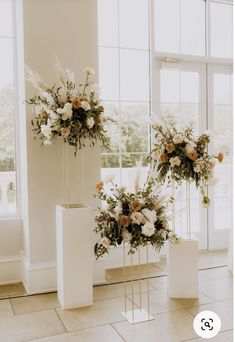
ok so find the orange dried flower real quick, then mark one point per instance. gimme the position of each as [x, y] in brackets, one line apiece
[220, 157]
[124, 220]
[99, 186]
[76, 102]
[170, 147]
[42, 115]
[135, 206]
[163, 158]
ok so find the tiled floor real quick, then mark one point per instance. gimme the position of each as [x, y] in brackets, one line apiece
[40, 318]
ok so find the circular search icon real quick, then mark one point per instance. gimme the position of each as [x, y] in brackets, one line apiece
[207, 324]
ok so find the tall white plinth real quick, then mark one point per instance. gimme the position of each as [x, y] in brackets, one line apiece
[182, 261]
[74, 256]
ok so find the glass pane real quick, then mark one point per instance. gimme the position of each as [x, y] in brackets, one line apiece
[193, 27]
[167, 26]
[221, 30]
[6, 62]
[108, 73]
[134, 75]
[134, 127]
[222, 89]
[223, 123]
[180, 96]
[170, 86]
[133, 21]
[189, 82]
[5, 18]
[108, 22]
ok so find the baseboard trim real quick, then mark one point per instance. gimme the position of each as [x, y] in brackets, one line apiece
[39, 278]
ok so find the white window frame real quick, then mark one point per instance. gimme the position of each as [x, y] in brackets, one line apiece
[16, 11]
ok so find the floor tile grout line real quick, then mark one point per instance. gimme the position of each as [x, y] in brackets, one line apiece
[66, 330]
[13, 310]
[114, 328]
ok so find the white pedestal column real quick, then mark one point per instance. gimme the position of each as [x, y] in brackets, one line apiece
[183, 268]
[74, 256]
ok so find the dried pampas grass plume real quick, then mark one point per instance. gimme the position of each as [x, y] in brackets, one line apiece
[34, 78]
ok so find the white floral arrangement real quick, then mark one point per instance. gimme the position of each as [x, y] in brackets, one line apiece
[137, 219]
[180, 155]
[69, 110]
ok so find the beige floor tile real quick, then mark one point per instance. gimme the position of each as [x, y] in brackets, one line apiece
[102, 312]
[167, 327]
[213, 259]
[160, 302]
[224, 310]
[226, 336]
[34, 303]
[117, 290]
[12, 290]
[218, 289]
[159, 282]
[5, 308]
[104, 333]
[30, 326]
[214, 273]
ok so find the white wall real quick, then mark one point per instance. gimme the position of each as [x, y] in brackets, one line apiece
[67, 29]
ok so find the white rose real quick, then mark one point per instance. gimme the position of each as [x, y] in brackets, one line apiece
[46, 130]
[126, 236]
[65, 112]
[137, 217]
[156, 154]
[105, 242]
[178, 138]
[190, 147]
[175, 161]
[150, 215]
[197, 168]
[148, 229]
[85, 105]
[47, 142]
[118, 209]
[90, 122]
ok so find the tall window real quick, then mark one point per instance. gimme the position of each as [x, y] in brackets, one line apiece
[7, 110]
[193, 53]
[124, 78]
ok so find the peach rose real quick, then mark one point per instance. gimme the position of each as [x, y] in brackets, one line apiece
[170, 147]
[192, 154]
